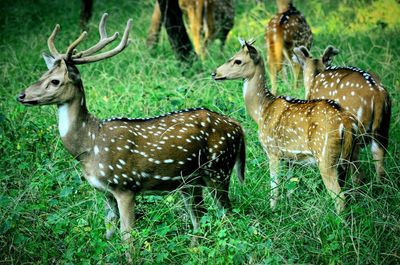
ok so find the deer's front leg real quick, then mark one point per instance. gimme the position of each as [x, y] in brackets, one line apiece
[111, 211]
[126, 208]
[274, 174]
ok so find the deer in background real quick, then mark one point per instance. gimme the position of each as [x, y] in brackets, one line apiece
[185, 150]
[357, 91]
[207, 20]
[291, 129]
[286, 30]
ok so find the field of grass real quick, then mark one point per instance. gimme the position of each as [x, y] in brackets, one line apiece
[49, 213]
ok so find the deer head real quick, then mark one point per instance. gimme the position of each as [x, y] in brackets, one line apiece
[313, 66]
[62, 81]
[238, 66]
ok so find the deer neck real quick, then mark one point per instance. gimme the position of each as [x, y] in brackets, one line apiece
[255, 94]
[309, 80]
[74, 125]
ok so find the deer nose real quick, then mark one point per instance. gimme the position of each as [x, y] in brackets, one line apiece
[213, 74]
[21, 97]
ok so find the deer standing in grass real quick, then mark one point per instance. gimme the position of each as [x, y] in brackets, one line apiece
[357, 91]
[292, 129]
[286, 30]
[184, 150]
[207, 20]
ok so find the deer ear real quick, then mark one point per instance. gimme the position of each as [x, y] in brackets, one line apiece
[301, 54]
[328, 55]
[253, 53]
[49, 60]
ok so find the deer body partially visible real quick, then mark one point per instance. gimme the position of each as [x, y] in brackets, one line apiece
[185, 150]
[357, 91]
[291, 129]
[286, 30]
[207, 20]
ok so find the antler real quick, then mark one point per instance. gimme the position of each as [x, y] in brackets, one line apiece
[50, 42]
[83, 57]
[104, 40]
[87, 56]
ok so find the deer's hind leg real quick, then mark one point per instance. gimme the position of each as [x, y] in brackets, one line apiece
[330, 177]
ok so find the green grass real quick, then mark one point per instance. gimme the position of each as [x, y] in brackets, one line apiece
[49, 214]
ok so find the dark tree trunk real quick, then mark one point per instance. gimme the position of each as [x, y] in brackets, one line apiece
[171, 15]
[86, 12]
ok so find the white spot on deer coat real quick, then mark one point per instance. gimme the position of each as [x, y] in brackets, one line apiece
[359, 113]
[96, 150]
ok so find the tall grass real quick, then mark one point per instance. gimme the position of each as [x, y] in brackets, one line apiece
[49, 214]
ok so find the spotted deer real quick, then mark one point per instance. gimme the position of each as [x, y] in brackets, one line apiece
[184, 150]
[357, 91]
[207, 20]
[285, 31]
[292, 129]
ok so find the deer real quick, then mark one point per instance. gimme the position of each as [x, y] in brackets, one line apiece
[185, 150]
[302, 131]
[207, 20]
[286, 30]
[357, 91]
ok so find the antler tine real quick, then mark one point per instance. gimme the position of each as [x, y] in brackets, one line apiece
[121, 46]
[50, 42]
[73, 45]
[104, 40]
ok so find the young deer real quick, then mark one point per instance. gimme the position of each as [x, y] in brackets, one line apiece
[357, 91]
[292, 129]
[184, 150]
[286, 30]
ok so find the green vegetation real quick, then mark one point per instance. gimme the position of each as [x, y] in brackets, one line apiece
[49, 214]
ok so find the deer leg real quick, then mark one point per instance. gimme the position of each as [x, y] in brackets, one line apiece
[220, 194]
[111, 210]
[330, 178]
[274, 171]
[285, 63]
[193, 199]
[289, 176]
[126, 207]
[273, 76]
[155, 26]
[378, 153]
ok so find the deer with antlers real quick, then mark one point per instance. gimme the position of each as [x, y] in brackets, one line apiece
[291, 129]
[286, 30]
[357, 91]
[185, 150]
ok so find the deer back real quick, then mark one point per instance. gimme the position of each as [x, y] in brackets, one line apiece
[302, 128]
[356, 90]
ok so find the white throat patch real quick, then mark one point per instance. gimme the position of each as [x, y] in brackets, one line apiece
[245, 84]
[63, 119]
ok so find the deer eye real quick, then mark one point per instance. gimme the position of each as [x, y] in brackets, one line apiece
[238, 62]
[55, 82]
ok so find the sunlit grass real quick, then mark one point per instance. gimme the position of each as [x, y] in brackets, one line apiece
[49, 214]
